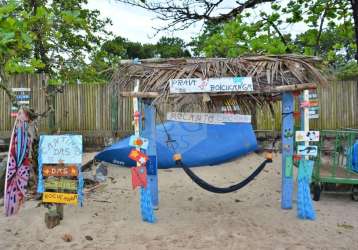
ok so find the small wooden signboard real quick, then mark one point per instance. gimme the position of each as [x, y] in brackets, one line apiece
[63, 198]
[59, 171]
[61, 184]
[222, 84]
[60, 158]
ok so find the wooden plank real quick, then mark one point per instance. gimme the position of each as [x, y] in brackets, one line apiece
[62, 184]
[63, 198]
[59, 171]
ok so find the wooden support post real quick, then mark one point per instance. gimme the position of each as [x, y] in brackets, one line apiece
[149, 132]
[114, 113]
[51, 115]
[287, 149]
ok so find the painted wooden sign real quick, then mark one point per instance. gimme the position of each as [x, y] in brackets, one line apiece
[137, 141]
[63, 198]
[59, 171]
[307, 136]
[138, 156]
[307, 150]
[21, 89]
[313, 112]
[306, 104]
[313, 94]
[61, 184]
[198, 85]
[55, 149]
[208, 118]
[22, 97]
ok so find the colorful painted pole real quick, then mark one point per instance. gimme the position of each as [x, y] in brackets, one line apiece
[145, 192]
[287, 149]
[305, 208]
[152, 165]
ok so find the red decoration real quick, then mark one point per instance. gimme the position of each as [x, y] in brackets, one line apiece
[136, 115]
[139, 176]
[138, 156]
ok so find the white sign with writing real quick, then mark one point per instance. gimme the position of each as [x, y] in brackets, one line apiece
[223, 84]
[208, 118]
[56, 149]
[307, 135]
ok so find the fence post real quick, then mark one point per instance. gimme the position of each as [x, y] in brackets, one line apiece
[287, 149]
[149, 132]
[51, 115]
[114, 113]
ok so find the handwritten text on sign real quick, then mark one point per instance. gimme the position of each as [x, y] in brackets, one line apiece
[65, 149]
[63, 184]
[64, 198]
[60, 170]
[198, 85]
[208, 118]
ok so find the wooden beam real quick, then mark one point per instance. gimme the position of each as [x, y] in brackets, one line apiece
[267, 90]
[140, 94]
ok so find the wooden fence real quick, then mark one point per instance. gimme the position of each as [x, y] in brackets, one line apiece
[95, 110]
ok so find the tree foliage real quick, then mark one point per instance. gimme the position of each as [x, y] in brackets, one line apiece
[54, 37]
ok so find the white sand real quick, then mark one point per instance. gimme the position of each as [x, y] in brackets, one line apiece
[189, 217]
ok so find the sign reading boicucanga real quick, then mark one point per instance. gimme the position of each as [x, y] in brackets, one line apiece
[56, 170]
[59, 198]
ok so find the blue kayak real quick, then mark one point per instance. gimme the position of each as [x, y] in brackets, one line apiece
[199, 144]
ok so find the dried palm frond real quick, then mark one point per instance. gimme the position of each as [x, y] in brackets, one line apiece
[266, 72]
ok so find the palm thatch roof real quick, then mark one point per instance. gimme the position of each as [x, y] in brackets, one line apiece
[270, 75]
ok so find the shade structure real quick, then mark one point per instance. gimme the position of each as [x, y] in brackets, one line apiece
[199, 144]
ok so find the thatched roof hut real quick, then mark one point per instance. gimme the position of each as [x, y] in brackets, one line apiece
[271, 75]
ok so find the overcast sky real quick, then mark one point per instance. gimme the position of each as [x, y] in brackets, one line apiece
[137, 24]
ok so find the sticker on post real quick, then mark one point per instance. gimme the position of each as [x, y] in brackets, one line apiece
[307, 135]
[138, 156]
[61, 198]
[140, 142]
[307, 150]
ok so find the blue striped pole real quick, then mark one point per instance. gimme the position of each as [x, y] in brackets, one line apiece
[149, 132]
[287, 149]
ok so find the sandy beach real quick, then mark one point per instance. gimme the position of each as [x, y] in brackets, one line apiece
[189, 217]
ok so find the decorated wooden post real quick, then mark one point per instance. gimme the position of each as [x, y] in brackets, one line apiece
[287, 149]
[60, 178]
[304, 202]
[139, 173]
[152, 165]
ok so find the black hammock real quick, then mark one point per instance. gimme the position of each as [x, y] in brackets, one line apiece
[203, 184]
[222, 190]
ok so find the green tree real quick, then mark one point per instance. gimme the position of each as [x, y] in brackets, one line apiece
[60, 36]
[16, 44]
[174, 47]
